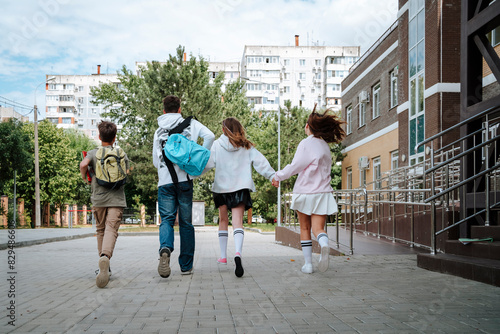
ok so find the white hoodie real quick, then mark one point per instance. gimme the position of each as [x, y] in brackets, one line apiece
[169, 121]
[233, 166]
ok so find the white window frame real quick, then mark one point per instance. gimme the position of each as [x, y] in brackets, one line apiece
[349, 178]
[394, 160]
[362, 114]
[377, 173]
[302, 62]
[349, 120]
[376, 100]
[394, 88]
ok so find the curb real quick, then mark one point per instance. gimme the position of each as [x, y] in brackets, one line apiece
[28, 243]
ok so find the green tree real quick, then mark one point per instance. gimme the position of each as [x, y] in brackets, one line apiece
[79, 142]
[137, 103]
[58, 175]
[15, 152]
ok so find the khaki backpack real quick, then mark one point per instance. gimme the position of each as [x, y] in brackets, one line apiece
[110, 169]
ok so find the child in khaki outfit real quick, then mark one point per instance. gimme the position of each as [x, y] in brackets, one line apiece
[107, 205]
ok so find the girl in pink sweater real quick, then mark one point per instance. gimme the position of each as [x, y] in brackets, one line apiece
[312, 193]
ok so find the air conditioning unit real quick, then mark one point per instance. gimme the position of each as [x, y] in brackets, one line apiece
[364, 96]
[298, 81]
[364, 163]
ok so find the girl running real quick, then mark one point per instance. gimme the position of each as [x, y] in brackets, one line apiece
[312, 193]
[234, 155]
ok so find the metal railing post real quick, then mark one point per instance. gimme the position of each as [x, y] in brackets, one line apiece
[433, 203]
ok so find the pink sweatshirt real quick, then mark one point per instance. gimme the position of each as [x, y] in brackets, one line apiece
[313, 163]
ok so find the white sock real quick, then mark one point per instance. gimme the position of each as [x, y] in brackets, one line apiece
[307, 250]
[322, 239]
[239, 235]
[223, 243]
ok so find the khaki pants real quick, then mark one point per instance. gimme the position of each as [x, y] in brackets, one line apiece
[107, 224]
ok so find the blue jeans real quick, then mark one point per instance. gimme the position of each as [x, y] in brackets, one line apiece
[173, 199]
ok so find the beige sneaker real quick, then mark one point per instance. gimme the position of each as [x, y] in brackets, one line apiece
[164, 265]
[102, 278]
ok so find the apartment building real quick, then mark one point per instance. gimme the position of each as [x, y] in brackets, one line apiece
[69, 102]
[231, 71]
[7, 113]
[404, 89]
[305, 75]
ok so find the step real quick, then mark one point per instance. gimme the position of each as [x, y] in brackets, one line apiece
[480, 270]
[485, 232]
[484, 250]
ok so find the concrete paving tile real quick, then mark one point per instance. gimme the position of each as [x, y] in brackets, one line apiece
[388, 293]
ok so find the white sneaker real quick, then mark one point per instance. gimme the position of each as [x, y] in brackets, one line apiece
[307, 268]
[323, 259]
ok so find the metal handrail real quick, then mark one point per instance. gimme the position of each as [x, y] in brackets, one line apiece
[458, 125]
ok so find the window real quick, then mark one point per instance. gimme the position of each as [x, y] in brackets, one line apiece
[349, 178]
[94, 133]
[52, 87]
[362, 113]
[66, 120]
[80, 122]
[80, 100]
[362, 177]
[93, 122]
[394, 88]
[286, 89]
[349, 119]
[51, 109]
[377, 174]
[94, 110]
[416, 57]
[329, 73]
[302, 76]
[333, 87]
[302, 62]
[394, 160]
[286, 76]
[286, 62]
[317, 62]
[80, 88]
[376, 101]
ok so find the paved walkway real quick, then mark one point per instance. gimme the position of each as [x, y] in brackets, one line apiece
[55, 292]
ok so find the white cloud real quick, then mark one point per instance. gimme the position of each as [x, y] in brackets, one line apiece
[73, 37]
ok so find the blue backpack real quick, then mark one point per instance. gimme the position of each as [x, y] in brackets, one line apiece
[188, 155]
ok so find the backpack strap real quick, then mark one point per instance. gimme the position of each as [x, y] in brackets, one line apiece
[178, 129]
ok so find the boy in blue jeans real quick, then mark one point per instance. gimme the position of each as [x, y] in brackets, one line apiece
[175, 192]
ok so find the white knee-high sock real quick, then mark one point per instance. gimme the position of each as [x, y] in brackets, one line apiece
[223, 243]
[239, 235]
[322, 239]
[307, 250]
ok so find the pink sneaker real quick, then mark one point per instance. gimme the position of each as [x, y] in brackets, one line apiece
[222, 261]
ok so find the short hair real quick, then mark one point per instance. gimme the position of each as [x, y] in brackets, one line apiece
[107, 131]
[171, 104]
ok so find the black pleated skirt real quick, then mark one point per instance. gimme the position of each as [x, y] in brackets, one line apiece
[233, 199]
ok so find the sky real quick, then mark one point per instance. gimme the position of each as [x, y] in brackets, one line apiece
[65, 37]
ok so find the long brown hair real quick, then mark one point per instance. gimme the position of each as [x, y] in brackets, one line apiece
[327, 126]
[236, 133]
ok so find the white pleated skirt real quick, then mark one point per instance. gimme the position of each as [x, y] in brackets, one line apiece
[317, 204]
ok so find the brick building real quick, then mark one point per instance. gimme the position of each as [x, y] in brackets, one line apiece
[404, 89]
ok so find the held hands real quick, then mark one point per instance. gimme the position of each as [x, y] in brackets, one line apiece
[275, 183]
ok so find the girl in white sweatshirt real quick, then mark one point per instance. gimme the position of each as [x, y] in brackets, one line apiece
[234, 155]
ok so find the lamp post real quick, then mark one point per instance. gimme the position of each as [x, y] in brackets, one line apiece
[279, 151]
[37, 169]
